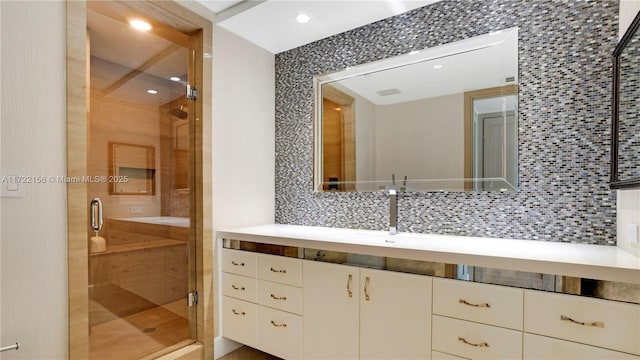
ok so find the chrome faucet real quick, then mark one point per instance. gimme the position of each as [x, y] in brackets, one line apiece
[393, 211]
[393, 203]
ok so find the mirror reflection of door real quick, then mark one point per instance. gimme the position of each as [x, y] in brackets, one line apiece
[338, 141]
[491, 139]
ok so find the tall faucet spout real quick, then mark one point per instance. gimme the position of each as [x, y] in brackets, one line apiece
[393, 212]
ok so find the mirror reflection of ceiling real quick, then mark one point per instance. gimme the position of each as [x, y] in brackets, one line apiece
[125, 62]
[467, 71]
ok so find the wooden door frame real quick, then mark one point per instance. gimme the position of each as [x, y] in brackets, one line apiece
[200, 31]
[469, 97]
[347, 102]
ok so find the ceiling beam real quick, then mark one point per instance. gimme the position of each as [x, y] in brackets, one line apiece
[141, 69]
[237, 9]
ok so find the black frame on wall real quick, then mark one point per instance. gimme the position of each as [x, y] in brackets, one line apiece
[616, 182]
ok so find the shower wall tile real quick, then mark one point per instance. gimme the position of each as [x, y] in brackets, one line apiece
[565, 51]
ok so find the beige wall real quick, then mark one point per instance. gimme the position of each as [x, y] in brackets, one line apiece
[33, 230]
[243, 135]
[628, 203]
[431, 130]
[378, 128]
[365, 137]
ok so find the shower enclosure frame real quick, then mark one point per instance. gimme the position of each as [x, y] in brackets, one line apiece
[200, 39]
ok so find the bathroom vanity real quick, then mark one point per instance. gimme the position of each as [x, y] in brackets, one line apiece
[326, 293]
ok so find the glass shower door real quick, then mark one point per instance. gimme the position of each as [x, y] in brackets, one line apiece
[139, 132]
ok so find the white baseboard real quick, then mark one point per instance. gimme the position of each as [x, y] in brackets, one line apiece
[222, 346]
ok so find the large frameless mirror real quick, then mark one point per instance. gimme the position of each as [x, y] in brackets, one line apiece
[440, 119]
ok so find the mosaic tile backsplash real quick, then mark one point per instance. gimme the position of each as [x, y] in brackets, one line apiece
[565, 69]
[629, 111]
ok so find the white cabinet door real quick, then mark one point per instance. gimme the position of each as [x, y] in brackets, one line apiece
[608, 324]
[475, 341]
[330, 302]
[240, 321]
[541, 348]
[280, 333]
[395, 315]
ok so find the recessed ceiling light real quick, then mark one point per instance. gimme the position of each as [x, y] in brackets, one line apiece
[414, 52]
[337, 108]
[437, 66]
[174, 78]
[151, 91]
[140, 25]
[303, 18]
[495, 33]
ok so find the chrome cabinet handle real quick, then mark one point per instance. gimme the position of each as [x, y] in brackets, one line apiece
[236, 264]
[278, 325]
[283, 271]
[237, 288]
[96, 214]
[599, 324]
[349, 285]
[278, 297]
[15, 346]
[366, 288]
[465, 302]
[238, 312]
[464, 341]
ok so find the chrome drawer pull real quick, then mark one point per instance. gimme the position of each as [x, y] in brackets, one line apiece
[366, 289]
[599, 324]
[15, 346]
[236, 264]
[238, 312]
[278, 325]
[465, 302]
[349, 285]
[237, 288]
[482, 344]
[283, 271]
[278, 297]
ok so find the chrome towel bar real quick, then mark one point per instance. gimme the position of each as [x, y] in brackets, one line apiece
[15, 346]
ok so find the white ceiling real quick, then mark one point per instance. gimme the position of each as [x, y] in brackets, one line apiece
[271, 24]
[218, 5]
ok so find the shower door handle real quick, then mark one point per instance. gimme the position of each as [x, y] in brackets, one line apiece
[96, 214]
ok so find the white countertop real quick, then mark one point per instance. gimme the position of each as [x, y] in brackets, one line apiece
[580, 260]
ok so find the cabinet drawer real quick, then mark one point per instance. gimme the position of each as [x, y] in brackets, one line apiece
[240, 287]
[436, 355]
[280, 296]
[475, 341]
[239, 262]
[603, 323]
[488, 304]
[280, 333]
[541, 347]
[240, 321]
[280, 269]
